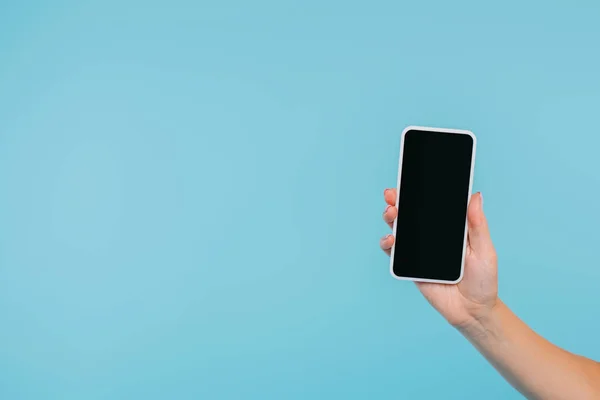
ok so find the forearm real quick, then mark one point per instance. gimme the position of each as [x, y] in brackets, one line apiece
[534, 366]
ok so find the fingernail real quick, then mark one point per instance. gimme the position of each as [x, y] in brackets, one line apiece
[386, 209]
[386, 191]
[387, 237]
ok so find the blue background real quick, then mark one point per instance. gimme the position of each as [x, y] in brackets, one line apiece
[191, 192]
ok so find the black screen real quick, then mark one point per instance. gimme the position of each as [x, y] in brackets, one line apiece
[432, 206]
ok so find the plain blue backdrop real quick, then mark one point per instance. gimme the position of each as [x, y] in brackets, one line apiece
[191, 192]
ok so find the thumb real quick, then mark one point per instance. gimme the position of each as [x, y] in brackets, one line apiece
[479, 235]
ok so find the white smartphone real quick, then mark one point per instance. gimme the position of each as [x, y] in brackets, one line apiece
[435, 178]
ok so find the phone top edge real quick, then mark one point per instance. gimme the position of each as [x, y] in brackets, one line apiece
[442, 130]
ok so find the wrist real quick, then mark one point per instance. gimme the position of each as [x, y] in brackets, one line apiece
[482, 323]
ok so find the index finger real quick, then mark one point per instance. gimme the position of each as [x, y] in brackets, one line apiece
[390, 196]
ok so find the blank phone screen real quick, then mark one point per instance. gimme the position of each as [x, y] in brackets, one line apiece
[432, 205]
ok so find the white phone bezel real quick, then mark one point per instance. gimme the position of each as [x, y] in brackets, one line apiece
[442, 130]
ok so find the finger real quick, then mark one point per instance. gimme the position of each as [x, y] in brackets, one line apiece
[389, 215]
[390, 196]
[480, 241]
[386, 244]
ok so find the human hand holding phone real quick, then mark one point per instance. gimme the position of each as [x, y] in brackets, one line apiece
[534, 366]
[477, 293]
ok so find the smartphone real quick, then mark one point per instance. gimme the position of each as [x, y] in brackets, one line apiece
[435, 178]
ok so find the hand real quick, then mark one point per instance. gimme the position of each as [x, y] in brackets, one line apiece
[477, 293]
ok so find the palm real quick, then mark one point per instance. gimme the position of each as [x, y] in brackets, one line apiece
[458, 303]
[477, 290]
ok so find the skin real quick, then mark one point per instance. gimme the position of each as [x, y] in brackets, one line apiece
[531, 364]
